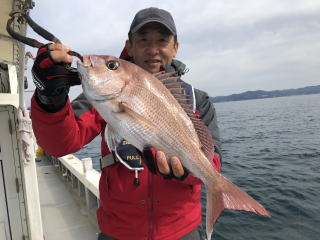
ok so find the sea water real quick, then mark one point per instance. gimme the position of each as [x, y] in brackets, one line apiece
[271, 149]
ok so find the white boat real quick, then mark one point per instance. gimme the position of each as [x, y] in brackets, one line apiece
[55, 198]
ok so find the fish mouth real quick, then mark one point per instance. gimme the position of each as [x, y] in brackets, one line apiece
[88, 69]
[89, 61]
[92, 95]
[86, 62]
[83, 66]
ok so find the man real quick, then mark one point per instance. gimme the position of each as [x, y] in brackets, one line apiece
[165, 205]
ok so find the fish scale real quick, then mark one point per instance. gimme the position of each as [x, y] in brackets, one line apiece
[167, 120]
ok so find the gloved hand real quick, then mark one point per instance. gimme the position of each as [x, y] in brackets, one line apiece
[51, 77]
[157, 162]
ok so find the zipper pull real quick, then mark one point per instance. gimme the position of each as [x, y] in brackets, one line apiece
[136, 181]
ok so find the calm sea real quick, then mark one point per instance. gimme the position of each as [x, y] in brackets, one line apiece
[271, 149]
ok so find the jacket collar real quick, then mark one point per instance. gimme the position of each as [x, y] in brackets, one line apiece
[176, 66]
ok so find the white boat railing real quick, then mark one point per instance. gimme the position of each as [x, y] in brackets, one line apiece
[82, 180]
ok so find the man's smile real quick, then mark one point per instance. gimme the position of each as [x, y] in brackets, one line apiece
[150, 61]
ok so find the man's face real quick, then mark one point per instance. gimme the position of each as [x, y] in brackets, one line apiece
[152, 46]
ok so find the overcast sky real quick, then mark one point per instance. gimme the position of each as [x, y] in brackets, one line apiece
[230, 46]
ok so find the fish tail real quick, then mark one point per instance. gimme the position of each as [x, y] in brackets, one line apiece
[224, 194]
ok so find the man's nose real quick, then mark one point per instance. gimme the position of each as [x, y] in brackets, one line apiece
[152, 49]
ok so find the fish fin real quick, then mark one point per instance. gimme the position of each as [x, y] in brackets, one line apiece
[136, 115]
[132, 114]
[112, 138]
[165, 77]
[168, 79]
[226, 195]
[176, 89]
[204, 134]
[125, 107]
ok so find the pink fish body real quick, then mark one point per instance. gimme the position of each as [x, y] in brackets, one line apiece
[139, 108]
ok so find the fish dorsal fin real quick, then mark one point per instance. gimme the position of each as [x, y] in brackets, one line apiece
[205, 136]
[178, 91]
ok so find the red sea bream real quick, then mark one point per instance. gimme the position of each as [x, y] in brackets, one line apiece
[139, 108]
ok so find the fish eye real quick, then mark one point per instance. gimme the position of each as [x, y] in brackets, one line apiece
[113, 65]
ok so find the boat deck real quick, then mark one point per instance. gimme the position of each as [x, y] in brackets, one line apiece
[63, 216]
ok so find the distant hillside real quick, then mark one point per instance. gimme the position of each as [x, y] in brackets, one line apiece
[267, 94]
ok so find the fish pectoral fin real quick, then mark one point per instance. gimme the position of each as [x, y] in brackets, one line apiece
[125, 108]
[143, 121]
[112, 138]
[118, 107]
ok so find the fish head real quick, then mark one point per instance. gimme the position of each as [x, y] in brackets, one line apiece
[102, 77]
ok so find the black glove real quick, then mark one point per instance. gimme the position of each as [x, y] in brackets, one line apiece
[52, 80]
[149, 156]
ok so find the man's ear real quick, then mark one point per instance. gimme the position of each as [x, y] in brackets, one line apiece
[128, 47]
[176, 47]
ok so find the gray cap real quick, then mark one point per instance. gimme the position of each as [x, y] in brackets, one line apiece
[153, 14]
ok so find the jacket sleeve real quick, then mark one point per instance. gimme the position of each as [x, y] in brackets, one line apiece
[207, 114]
[68, 130]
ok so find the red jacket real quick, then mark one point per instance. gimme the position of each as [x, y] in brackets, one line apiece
[156, 209]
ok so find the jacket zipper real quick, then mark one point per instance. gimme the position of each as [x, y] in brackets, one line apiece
[150, 206]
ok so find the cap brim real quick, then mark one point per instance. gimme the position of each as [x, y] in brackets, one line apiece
[136, 28]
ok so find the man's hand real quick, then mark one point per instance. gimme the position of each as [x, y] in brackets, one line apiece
[59, 53]
[52, 78]
[164, 167]
[157, 162]
[49, 71]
